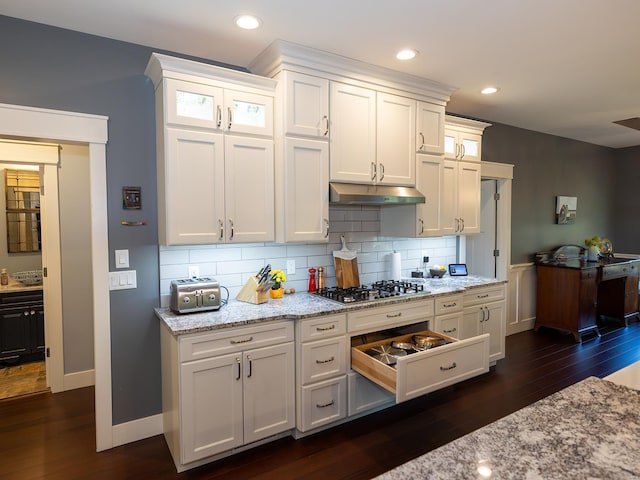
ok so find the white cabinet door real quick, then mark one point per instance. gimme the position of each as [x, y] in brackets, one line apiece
[352, 150]
[396, 127]
[306, 195]
[469, 197]
[191, 187]
[449, 207]
[487, 318]
[269, 391]
[306, 110]
[249, 195]
[449, 324]
[430, 128]
[211, 406]
[248, 113]
[430, 181]
[192, 104]
[462, 145]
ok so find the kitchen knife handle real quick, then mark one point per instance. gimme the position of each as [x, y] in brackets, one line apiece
[326, 124]
[326, 231]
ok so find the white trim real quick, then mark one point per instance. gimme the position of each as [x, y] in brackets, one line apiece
[79, 380]
[138, 429]
[52, 125]
[521, 298]
[496, 170]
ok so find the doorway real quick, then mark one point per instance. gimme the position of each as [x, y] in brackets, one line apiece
[482, 247]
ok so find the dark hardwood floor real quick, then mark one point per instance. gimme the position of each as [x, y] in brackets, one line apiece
[53, 436]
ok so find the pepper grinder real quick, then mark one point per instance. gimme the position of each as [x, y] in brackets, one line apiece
[312, 280]
[320, 278]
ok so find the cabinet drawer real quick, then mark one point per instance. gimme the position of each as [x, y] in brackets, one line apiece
[323, 327]
[449, 324]
[228, 340]
[448, 304]
[622, 270]
[323, 359]
[389, 316]
[323, 403]
[365, 395]
[477, 296]
[427, 371]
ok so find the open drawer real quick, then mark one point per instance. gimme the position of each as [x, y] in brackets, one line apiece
[426, 371]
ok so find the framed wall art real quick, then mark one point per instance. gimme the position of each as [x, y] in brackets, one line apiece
[566, 209]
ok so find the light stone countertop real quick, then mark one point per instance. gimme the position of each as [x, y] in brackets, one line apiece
[16, 286]
[303, 305]
[590, 430]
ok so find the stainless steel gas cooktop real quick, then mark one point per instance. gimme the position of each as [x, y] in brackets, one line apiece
[376, 291]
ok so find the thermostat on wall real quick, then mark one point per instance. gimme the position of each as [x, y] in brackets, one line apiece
[131, 198]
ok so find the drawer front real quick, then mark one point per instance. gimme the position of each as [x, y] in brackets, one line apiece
[229, 340]
[623, 270]
[323, 403]
[476, 296]
[447, 365]
[365, 395]
[323, 359]
[448, 304]
[424, 372]
[449, 324]
[389, 316]
[323, 327]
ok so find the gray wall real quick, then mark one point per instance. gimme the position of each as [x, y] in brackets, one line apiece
[546, 166]
[626, 212]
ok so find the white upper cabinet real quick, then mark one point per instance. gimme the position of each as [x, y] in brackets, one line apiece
[430, 128]
[395, 140]
[461, 198]
[306, 106]
[193, 104]
[248, 113]
[461, 144]
[352, 150]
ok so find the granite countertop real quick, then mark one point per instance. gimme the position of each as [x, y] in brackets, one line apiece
[588, 430]
[303, 305]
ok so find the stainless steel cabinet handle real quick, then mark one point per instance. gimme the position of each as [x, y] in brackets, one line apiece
[230, 112]
[328, 360]
[482, 296]
[399, 314]
[457, 150]
[221, 225]
[482, 310]
[326, 123]
[381, 171]
[246, 340]
[239, 368]
[449, 331]
[422, 141]
[421, 226]
[218, 116]
[462, 222]
[451, 367]
[374, 171]
[457, 228]
[449, 305]
[231, 227]
[462, 151]
[332, 402]
[250, 366]
[488, 313]
[326, 231]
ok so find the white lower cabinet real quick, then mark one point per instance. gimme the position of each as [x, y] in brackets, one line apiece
[485, 312]
[323, 403]
[225, 389]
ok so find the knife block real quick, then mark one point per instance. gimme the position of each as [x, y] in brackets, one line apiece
[250, 292]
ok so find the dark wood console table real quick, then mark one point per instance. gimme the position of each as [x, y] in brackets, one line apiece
[572, 295]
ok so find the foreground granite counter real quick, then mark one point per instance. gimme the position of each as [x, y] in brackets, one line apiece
[303, 305]
[590, 430]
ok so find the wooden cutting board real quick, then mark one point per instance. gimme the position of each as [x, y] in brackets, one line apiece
[345, 263]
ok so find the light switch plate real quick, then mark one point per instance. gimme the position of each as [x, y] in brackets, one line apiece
[122, 258]
[291, 267]
[123, 280]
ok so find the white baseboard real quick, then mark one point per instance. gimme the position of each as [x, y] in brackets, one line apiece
[137, 430]
[74, 380]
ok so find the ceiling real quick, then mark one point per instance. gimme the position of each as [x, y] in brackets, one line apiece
[565, 67]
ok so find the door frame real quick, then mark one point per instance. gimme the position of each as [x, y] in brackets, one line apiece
[29, 123]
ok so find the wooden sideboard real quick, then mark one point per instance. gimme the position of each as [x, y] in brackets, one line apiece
[573, 295]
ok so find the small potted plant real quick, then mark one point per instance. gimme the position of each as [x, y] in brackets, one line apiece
[278, 277]
[593, 248]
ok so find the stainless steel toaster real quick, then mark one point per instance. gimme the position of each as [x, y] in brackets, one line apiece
[195, 295]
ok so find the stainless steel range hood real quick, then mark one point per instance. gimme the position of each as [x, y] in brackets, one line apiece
[356, 194]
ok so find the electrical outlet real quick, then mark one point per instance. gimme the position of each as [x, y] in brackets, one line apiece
[194, 271]
[425, 259]
[291, 267]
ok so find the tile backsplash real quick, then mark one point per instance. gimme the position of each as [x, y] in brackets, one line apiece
[233, 264]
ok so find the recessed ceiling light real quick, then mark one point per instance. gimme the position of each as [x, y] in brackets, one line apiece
[489, 90]
[406, 54]
[248, 22]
